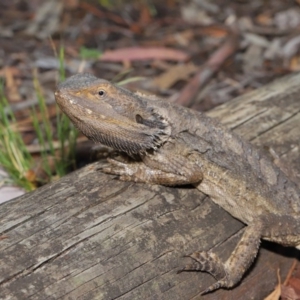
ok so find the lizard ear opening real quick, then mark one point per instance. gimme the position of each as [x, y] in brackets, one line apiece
[153, 119]
[139, 119]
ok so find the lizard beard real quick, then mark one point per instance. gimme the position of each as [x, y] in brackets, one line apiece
[131, 139]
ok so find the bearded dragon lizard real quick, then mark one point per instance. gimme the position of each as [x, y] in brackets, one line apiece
[171, 145]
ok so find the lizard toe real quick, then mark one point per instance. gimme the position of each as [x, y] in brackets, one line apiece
[210, 263]
[115, 162]
[116, 167]
[215, 286]
[206, 262]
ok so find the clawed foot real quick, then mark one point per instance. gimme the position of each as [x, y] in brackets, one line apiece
[210, 263]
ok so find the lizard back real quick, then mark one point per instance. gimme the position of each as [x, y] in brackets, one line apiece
[249, 183]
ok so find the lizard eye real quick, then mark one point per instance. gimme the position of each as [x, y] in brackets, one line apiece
[139, 119]
[101, 93]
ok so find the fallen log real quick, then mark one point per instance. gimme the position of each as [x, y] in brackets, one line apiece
[90, 236]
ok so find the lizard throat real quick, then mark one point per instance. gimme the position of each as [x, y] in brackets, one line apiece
[131, 139]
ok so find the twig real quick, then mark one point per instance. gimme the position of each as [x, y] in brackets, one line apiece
[288, 276]
[188, 94]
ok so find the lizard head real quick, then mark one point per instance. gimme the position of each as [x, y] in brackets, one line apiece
[112, 115]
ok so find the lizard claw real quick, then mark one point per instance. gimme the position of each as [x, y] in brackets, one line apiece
[215, 286]
[115, 167]
[125, 171]
[210, 263]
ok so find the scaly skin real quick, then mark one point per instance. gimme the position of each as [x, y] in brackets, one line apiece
[172, 145]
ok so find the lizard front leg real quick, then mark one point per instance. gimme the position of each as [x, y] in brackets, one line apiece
[229, 273]
[157, 168]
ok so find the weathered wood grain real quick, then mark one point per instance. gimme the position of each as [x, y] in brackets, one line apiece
[89, 236]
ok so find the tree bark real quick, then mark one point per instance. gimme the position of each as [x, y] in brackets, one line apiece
[90, 236]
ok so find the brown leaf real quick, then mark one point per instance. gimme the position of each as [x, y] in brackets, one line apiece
[289, 293]
[295, 284]
[11, 84]
[174, 74]
[140, 53]
[275, 295]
